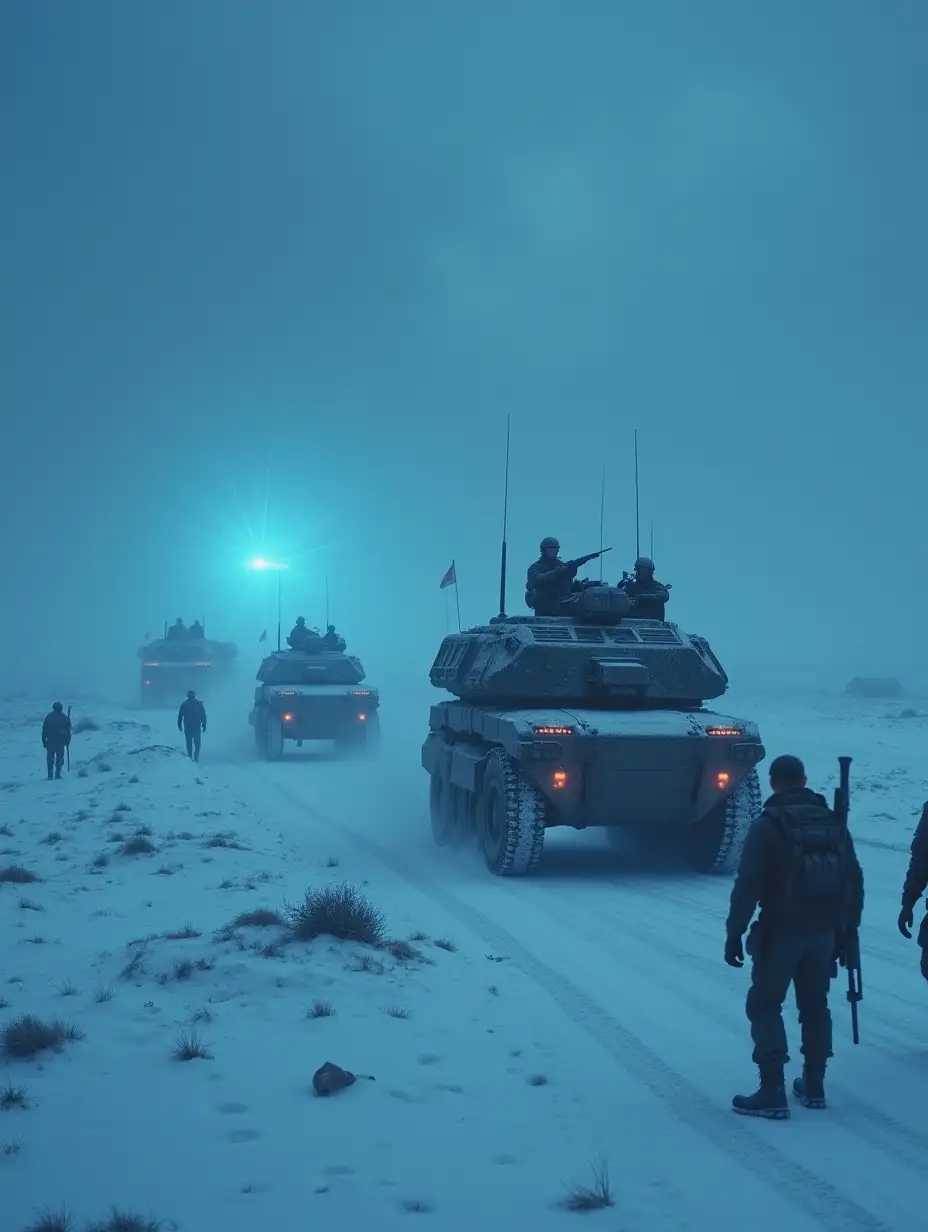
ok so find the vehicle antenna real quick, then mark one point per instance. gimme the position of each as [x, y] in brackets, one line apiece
[637, 519]
[602, 512]
[326, 600]
[502, 562]
[652, 541]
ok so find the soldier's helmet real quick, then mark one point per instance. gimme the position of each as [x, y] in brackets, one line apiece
[191, 694]
[644, 564]
[301, 620]
[57, 707]
[549, 542]
[330, 628]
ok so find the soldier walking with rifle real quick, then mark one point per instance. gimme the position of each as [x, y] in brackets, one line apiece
[800, 867]
[550, 580]
[916, 879]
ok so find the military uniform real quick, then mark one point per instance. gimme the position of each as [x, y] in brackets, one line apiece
[56, 736]
[916, 881]
[799, 866]
[648, 594]
[191, 718]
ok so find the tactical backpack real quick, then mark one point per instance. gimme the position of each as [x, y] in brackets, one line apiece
[817, 864]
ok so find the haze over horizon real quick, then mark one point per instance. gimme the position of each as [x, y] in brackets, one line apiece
[272, 282]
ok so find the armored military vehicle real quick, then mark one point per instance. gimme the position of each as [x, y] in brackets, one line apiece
[314, 694]
[592, 718]
[172, 665]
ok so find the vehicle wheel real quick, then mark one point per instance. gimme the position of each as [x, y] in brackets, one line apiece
[715, 843]
[371, 741]
[440, 813]
[510, 819]
[274, 740]
[260, 738]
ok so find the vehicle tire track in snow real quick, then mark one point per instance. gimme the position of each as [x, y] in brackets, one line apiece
[901, 1142]
[747, 1148]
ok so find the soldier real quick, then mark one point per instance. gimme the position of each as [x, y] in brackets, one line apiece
[56, 737]
[196, 630]
[551, 580]
[192, 719]
[177, 629]
[916, 879]
[648, 594]
[299, 634]
[331, 639]
[800, 867]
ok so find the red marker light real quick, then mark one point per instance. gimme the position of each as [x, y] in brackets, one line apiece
[559, 779]
[722, 779]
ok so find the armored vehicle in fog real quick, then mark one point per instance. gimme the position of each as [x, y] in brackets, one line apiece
[175, 663]
[590, 718]
[314, 694]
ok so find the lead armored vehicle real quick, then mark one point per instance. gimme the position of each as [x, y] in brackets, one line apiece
[172, 665]
[592, 718]
[314, 694]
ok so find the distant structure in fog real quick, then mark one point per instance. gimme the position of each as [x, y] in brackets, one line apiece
[875, 686]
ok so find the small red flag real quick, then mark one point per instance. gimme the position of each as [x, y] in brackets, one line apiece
[263, 637]
[450, 578]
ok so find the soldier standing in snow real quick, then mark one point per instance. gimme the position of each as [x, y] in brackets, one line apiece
[56, 737]
[192, 719]
[799, 866]
[916, 879]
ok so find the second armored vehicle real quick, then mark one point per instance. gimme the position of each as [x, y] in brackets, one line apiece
[173, 664]
[314, 694]
[593, 718]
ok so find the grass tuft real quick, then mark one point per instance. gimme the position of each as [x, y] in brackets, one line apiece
[15, 874]
[27, 904]
[397, 1011]
[402, 951]
[101, 994]
[444, 944]
[189, 1046]
[138, 845]
[27, 1036]
[595, 1197]
[225, 840]
[52, 1221]
[321, 1009]
[67, 989]
[125, 1221]
[187, 933]
[13, 1097]
[339, 911]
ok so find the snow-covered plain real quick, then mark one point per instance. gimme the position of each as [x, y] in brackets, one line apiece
[538, 1029]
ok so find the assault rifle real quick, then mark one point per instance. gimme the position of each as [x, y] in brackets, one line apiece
[855, 988]
[579, 561]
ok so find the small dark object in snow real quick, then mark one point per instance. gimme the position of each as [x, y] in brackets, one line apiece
[329, 1078]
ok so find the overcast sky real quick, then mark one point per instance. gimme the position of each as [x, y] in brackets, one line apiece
[273, 274]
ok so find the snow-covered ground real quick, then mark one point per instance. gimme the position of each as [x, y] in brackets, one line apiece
[535, 1030]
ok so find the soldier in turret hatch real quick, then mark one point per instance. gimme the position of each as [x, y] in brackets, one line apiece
[647, 593]
[299, 634]
[196, 630]
[551, 580]
[177, 629]
[331, 640]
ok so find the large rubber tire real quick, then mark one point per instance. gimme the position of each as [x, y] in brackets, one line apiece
[440, 814]
[274, 740]
[715, 843]
[510, 819]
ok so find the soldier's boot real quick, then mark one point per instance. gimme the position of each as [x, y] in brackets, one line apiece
[57, 774]
[810, 1088]
[769, 1100]
[50, 775]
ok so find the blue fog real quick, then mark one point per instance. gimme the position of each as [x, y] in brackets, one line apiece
[273, 277]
